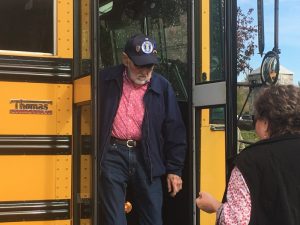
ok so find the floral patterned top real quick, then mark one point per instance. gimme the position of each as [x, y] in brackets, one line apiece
[236, 211]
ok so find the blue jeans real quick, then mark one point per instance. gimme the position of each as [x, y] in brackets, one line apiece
[122, 166]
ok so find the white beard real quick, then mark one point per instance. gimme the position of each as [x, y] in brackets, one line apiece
[137, 81]
[140, 82]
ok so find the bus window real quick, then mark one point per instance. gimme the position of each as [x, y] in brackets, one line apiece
[165, 21]
[212, 43]
[216, 41]
[27, 25]
[106, 8]
[217, 115]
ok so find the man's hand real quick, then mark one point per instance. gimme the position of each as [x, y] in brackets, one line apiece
[174, 184]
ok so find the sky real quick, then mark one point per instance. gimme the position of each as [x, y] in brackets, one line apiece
[289, 33]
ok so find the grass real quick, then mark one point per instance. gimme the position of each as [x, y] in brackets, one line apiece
[249, 135]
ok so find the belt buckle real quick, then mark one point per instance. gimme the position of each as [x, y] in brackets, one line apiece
[131, 143]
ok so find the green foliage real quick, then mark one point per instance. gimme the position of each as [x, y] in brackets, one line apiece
[242, 93]
[246, 32]
[249, 135]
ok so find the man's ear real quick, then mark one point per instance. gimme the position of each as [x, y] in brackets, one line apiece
[125, 59]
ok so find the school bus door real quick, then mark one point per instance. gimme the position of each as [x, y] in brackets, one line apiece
[167, 22]
[213, 98]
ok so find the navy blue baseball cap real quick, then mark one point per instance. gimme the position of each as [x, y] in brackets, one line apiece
[141, 49]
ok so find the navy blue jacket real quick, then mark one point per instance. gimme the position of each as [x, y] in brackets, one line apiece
[163, 141]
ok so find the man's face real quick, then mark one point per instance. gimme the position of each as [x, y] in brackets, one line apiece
[140, 75]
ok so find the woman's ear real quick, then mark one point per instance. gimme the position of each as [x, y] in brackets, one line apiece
[266, 128]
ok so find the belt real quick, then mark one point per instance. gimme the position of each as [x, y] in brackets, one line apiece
[128, 143]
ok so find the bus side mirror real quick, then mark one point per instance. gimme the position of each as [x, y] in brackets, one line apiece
[269, 70]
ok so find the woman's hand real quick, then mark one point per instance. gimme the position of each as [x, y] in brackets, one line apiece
[207, 202]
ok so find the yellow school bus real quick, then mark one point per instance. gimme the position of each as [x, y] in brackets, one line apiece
[50, 55]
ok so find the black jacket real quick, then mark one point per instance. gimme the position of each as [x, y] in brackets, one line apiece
[163, 131]
[271, 169]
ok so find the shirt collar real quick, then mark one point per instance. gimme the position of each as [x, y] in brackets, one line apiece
[117, 74]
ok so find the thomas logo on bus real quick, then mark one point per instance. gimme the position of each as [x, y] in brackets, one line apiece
[22, 106]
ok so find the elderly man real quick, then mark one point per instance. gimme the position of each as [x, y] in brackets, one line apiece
[142, 136]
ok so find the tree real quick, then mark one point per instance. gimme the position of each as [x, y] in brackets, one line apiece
[246, 32]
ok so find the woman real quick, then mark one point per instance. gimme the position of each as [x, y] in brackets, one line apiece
[264, 186]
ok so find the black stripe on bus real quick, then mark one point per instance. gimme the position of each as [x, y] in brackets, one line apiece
[35, 145]
[86, 144]
[34, 210]
[56, 70]
[85, 67]
[85, 208]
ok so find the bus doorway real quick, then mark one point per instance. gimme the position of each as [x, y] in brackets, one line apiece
[167, 23]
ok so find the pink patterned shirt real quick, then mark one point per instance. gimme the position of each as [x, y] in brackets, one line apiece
[237, 209]
[129, 118]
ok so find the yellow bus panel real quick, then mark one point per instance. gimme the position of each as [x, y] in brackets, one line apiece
[65, 29]
[35, 177]
[85, 175]
[85, 32]
[82, 89]
[212, 171]
[85, 222]
[205, 42]
[35, 108]
[85, 128]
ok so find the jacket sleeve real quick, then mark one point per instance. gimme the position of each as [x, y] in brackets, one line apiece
[174, 133]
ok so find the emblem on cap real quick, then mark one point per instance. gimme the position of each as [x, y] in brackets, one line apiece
[137, 48]
[147, 47]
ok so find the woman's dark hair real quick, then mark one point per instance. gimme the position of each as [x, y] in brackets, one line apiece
[280, 105]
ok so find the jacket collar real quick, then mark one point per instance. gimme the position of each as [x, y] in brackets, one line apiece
[156, 84]
[115, 73]
[276, 139]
